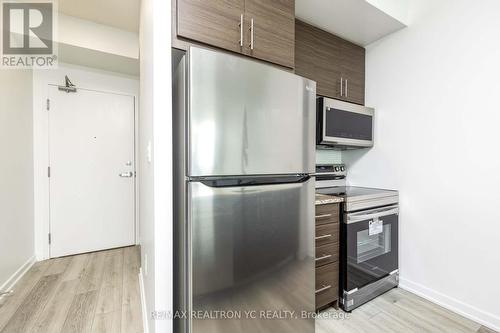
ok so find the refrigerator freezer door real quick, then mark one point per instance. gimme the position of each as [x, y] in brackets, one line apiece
[247, 118]
[252, 250]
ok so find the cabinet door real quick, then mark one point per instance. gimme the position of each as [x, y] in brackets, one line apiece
[273, 30]
[213, 22]
[317, 57]
[353, 72]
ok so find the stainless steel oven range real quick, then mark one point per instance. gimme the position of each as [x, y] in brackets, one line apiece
[368, 237]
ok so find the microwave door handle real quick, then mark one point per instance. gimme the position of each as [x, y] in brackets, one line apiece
[358, 217]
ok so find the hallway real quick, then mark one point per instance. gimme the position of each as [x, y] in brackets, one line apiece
[92, 292]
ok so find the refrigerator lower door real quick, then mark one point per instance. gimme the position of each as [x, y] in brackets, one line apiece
[248, 118]
[251, 258]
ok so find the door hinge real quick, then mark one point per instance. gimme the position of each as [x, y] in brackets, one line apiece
[50, 238]
[48, 172]
[48, 104]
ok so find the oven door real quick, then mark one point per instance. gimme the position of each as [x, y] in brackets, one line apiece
[372, 245]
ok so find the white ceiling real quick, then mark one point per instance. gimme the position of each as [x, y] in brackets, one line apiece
[121, 14]
[355, 20]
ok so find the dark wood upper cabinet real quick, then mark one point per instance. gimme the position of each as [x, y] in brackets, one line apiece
[317, 55]
[271, 30]
[353, 72]
[213, 22]
[337, 65]
[263, 29]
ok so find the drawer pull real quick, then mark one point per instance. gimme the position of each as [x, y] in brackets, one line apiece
[323, 216]
[323, 288]
[323, 237]
[326, 256]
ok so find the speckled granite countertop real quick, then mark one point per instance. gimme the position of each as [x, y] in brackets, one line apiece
[322, 199]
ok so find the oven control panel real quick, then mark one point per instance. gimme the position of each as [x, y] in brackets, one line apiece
[331, 169]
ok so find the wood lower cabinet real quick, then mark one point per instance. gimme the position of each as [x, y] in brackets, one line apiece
[327, 214]
[262, 29]
[337, 65]
[327, 234]
[327, 285]
[327, 255]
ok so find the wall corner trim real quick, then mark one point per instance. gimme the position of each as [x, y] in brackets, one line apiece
[11, 282]
[143, 303]
[466, 310]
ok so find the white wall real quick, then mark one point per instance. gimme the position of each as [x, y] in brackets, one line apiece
[325, 156]
[82, 77]
[435, 89]
[156, 186]
[146, 167]
[16, 173]
[90, 35]
[93, 36]
[99, 46]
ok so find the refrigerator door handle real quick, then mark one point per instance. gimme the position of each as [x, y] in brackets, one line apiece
[251, 180]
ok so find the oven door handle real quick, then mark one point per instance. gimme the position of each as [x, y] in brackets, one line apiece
[363, 216]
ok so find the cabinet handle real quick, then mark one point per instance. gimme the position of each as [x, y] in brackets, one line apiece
[346, 89]
[241, 30]
[251, 34]
[323, 216]
[341, 86]
[325, 256]
[323, 288]
[323, 237]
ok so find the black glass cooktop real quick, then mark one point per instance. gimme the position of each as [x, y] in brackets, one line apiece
[354, 193]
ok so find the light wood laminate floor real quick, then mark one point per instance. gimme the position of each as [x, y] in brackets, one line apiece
[92, 292]
[397, 311]
[99, 292]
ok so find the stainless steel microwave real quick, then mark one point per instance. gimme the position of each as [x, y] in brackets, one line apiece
[342, 125]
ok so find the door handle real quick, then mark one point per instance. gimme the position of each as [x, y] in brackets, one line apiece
[251, 34]
[376, 213]
[129, 174]
[241, 30]
[341, 86]
[346, 89]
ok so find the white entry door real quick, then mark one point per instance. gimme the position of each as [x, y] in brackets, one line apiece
[92, 171]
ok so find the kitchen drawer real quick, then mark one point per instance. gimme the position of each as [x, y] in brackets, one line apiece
[327, 233]
[327, 284]
[326, 254]
[327, 213]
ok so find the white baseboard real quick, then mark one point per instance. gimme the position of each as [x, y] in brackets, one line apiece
[143, 303]
[11, 281]
[466, 310]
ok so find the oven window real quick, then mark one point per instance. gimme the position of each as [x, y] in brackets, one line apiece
[348, 125]
[372, 246]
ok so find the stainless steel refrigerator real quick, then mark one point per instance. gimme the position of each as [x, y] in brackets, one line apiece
[244, 195]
